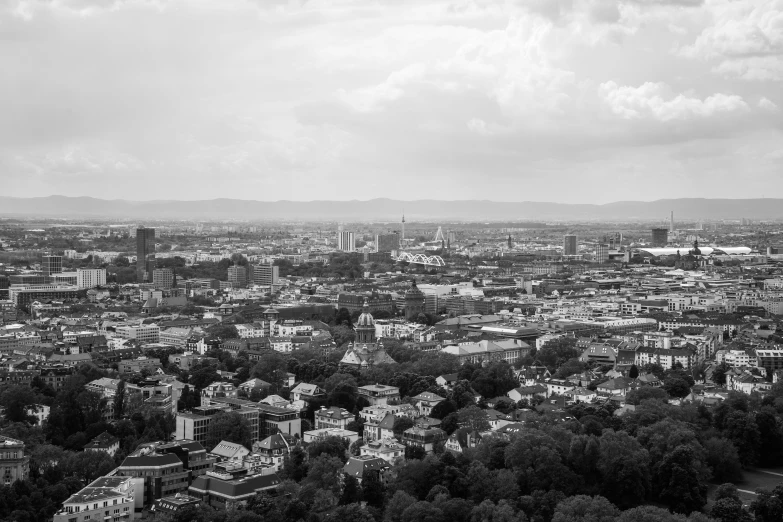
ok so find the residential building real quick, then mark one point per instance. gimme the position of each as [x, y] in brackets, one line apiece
[14, 465]
[108, 499]
[570, 245]
[90, 277]
[174, 504]
[315, 435]
[237, 276]
[379, 394]
[163, 278]
[334, 417]
[462, 439]
[226, 451]
[306, 392]
[218, 389]
[130, 366]
[265, 274]
[423, 437]
[379, 427]
[273, 450]
[346, 241]
[104, 442]
[426, 401]
[387, 449]
[365, 465]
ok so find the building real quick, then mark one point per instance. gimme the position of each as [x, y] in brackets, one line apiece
[90, 277]
[379, 427]
[387, 242]
[346, 241]
[375, 302]
[334, 417]
[423, 437]
[425, 401]
[272, 420]
[364, 351]
[51, 264]
[237, 276]
[387, 449]
[26, 295]
[163, 474]
[131, 366]
[273, 450]
[414, 302]
[508, 350]
[109, 499]
[145, 333]
[771, 360]
[226, 490]
[145, 254]
[570, 245]
[14, 465]
[379, 394]
[660, 237]
[163, 278]
[104, 442]
[265, 274]
[174, 504]
[601, 253]
[365, 465]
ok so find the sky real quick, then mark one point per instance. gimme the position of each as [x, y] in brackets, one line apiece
[517, 100]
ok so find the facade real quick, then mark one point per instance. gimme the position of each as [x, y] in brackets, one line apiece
[237, 276]
[51, 265]
[423, 437]
[265, 274]
[90, 277]
[379, 427]
[660, 237]
[375, 302]
[145, 254]
[24, 296]
[226, 490]
[14, 465]
[346, 241]
[272, 420]
[163, 278]
[570, 245]
[273, 450]
[601, 253]
[387, 242]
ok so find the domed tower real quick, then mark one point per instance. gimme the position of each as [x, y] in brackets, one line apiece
[365, 326]
[414, 302]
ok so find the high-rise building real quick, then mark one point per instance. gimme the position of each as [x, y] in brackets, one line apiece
[346, 241]
[660, 237]
[601, 253]
[51, 264]
[265, 274]
[237, 276]
[387, 242]
[570, 246]
[90, 277]
[145, 254]
[163, 278]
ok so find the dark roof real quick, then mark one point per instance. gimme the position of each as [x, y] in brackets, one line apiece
[235, 488]
[358, 466]
[151, 460]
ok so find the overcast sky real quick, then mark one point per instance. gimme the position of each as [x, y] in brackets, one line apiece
[543, 100]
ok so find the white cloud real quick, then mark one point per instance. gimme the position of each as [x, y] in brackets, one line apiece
[767, 104]
[656, 101]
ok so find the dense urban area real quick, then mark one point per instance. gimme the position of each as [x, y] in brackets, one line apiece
[391, 372]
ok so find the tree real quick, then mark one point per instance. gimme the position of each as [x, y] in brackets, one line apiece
[397, 504]
[352, 513]
[351, 492]
[119, 399]
[442, 409]
[719, 374]
[581, 508]
[503, 511]
[768, 505]
[228, 426]
[422, 512]
[624, 466]
[474, 418]
[728, 505]
[637, 395]
[16, 400]
[400, 425]
[224, 331]
[723, 459]
[678, 481]
[676, 387]
[557, 351]
[633, 371]
[324, 473]
[741, 429]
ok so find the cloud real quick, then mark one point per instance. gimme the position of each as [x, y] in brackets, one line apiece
[655, 101]
[745, 40]
[767, 104]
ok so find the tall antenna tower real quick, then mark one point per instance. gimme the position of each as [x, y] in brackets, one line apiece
[402, 237]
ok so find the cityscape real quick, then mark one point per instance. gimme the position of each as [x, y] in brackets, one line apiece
[391, 261]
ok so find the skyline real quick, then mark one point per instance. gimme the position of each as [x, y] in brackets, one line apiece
[557, 100]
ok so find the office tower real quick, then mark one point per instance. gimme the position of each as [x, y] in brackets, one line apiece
[387, 242]
[163, 278]
[90, 277]
[671, 222]
[265, 274]
[51, 264]
[660, 237]
[601, 253]
[570, 246]
[145, 254]
[237, 276]
[346, 241]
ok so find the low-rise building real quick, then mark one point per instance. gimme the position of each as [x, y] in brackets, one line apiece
[227, 490]
[104, 442]
[379, 394]
[14, 464]
[109, 499]
[334, 417]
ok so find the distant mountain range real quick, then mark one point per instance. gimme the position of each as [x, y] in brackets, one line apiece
[391, 210]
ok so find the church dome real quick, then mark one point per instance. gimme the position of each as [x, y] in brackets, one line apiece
[365, 319]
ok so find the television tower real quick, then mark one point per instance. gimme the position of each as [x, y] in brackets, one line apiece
[402, 238]
[671, 222]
